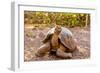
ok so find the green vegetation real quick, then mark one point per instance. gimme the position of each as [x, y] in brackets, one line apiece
[45, 19]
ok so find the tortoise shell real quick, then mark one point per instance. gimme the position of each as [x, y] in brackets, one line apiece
[65, 37]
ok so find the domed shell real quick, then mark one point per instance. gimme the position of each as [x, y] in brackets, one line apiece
[65, 36]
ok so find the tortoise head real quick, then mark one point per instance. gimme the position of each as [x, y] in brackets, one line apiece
[57, 29]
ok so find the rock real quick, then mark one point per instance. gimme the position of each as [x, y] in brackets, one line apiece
[41, 35]
[82, 51]
[27, 55]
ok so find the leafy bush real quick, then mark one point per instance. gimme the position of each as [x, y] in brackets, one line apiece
[45, 19]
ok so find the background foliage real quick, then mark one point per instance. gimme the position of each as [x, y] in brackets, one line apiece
[45, 19]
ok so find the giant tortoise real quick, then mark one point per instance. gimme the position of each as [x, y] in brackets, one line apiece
[59, 40]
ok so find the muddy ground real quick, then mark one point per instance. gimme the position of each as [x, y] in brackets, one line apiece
[33, 39]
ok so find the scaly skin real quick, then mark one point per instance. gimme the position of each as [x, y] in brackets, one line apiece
[54, 42]
[42, 50]
[61, 52]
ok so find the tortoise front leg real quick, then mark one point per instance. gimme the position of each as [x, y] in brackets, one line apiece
[42, 50]
[61, 52]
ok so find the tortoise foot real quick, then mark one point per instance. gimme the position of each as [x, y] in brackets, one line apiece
[63, 54]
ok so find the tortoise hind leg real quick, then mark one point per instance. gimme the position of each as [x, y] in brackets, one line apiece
[42, 50]
[61, 53]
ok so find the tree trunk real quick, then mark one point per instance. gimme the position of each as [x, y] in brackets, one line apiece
[86, 20]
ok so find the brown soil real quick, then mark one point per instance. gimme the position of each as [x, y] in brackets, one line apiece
[33, 38]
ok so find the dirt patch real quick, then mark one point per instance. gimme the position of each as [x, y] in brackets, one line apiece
[33, 40]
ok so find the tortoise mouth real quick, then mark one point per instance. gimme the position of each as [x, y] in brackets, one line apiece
[57, 30]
